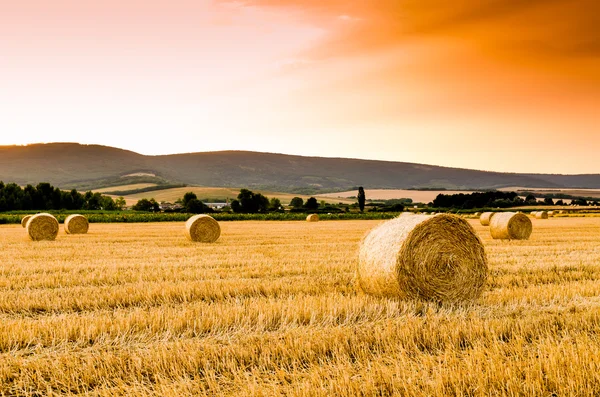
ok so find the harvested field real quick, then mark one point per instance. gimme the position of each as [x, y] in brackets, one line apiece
[138, 310]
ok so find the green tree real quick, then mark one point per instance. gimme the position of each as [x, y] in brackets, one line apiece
[236, 206]
[107, 203]
[120, 203]
[311, 204]
[251, 202]
[548, 201]
[187, 197]
[297, 202]
[195, 206]
[275, 204]
[362, 198]
[530, 199]
[146, 205]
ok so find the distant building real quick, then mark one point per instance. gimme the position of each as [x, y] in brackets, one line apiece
[216, 206]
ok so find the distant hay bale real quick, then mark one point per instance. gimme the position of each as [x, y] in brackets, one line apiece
[532, 213]
[42, 227]
[24, 220]
[541, 215]
[436, 258]
[312, 218]
[550, 213]
[76, 224]
[510, 226]
[478, 214]
[202, 228]
[485, 218]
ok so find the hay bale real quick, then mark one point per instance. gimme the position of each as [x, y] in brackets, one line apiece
[550, 213]
[436, 258]
[510, 226]
[541, 215]
[477, 214]
[202, 228]
[24, 220]
[532, 213]
[485, 218]
[76, 224]
[312, 218]
[42, 227]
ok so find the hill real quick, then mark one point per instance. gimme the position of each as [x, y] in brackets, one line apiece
[72, 165]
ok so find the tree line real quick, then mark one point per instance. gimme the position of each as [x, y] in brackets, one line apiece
[496, 199]
[44, 196]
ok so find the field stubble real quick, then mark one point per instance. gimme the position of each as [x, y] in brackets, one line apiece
[271, 309]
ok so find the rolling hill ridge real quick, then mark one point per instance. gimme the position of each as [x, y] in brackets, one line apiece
[72, 165]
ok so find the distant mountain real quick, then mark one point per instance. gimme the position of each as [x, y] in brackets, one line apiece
[71, 165]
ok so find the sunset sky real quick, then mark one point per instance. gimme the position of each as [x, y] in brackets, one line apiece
[504, 85]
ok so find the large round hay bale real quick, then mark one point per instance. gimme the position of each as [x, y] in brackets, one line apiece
[76, 224]
[510, 226]
[202, 228]
[312, 218]
[485, 218]
[42, 227]
[541, 215]
[24, 220]
[437, 258]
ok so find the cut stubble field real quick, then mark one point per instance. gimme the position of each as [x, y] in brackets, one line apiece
[271, 309]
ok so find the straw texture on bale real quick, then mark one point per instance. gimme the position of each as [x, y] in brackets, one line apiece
[202, 228]
[541, 215]
[42, 227]
[511, 226]
[485, 218]
[312, 218]
[24, 220]
[436, 258]
[76, 224]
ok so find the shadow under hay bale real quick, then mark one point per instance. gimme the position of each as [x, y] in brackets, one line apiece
[485, 218]
[42, 227]
[202, 228]
[312, 218]
[511, 226]
[436, 258]
[76, 224]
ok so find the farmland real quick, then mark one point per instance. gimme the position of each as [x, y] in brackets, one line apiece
[271, 309]
[215, 194]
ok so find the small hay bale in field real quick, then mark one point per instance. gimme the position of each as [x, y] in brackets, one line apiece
[485, 218]
[202, 228]
[42, 227]
[532, 213]
[436, 258]
[76, 224]
[478, 214]
[25, 219]
[541, 215]
[510, 226]
[550, 213]
[312, 218]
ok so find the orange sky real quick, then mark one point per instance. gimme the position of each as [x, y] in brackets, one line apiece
[507, 85]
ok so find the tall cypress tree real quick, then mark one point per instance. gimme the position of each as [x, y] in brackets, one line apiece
[361, 198]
